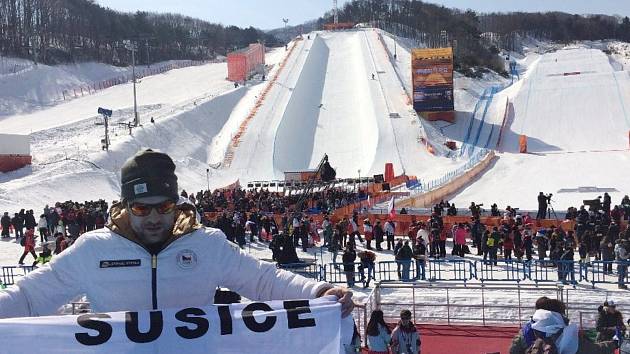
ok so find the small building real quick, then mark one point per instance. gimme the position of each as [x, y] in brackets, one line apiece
[242, 63]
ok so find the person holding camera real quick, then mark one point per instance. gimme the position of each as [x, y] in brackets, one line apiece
[542, 206]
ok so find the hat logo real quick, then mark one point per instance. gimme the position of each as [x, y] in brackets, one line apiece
[186, 259]
[140, 188]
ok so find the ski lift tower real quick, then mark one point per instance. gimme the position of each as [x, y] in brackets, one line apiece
[335, 12]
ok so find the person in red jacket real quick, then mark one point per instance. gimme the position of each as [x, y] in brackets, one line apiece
[29, 245]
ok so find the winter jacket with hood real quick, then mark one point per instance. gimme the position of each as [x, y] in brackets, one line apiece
[117, 273]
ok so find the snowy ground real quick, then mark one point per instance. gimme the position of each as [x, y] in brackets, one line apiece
[577, 127]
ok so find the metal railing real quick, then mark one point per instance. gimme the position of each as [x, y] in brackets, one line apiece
[485, 304]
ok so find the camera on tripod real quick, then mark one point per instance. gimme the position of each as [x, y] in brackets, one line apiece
[548, 196]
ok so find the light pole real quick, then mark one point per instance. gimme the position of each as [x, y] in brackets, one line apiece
[359, 171]
[132, 47]
[208, 178]
[286, 21]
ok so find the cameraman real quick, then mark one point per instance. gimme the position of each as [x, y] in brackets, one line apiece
[542, 205]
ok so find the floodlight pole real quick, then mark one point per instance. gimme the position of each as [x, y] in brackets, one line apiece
[208, 178]
[136, 120]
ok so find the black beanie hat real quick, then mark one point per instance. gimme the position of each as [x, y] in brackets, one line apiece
[147, 174]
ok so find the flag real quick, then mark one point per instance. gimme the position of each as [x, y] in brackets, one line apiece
[391, 208]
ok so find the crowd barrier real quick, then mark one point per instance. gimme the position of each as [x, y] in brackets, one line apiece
[236, 138]
[307, 270]
[393, 270]
[463, 270]
[334, 273]
[451, 270]
[91, 88]
[605, 272]
[501, 270]
[9, 273]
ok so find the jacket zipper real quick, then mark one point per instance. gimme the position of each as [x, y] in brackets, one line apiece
[154, 281]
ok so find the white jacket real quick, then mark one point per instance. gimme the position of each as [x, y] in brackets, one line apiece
[116, 274]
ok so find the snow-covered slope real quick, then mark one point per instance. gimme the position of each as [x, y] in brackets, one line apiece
[575, 110]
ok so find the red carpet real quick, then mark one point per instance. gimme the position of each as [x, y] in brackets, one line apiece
[445, 339]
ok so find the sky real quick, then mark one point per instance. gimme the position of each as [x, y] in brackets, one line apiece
[268, 14]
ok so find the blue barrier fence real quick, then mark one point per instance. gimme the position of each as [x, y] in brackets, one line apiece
[501, 270]
[606, 272]
[463, 270]
[451, 270]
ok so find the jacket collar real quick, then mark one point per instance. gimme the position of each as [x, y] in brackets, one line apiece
[185, 223]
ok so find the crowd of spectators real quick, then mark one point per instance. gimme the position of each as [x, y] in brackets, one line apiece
[60, 224]
[266, 201]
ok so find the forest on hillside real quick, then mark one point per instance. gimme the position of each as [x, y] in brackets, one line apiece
[61, 31]
[477, 38]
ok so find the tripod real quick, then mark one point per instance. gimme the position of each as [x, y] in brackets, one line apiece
[551, 211]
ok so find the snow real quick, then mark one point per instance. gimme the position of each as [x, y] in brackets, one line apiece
[325, 101]
[577, 127]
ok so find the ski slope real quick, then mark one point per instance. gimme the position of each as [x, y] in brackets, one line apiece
[574, 107]
[326, 102]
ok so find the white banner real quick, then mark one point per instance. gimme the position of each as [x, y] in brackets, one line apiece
[299, 326]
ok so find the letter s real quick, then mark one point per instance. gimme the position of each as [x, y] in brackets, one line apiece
[187, 316]
[104, 329]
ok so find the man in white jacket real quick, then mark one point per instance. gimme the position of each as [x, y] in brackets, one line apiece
[154, 254]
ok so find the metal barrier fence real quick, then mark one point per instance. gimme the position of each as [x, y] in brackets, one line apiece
[606, 272]
[543, 271]
[506, 304]
[334, 273]
[451, 270]
[396, 270]
[9, 273]
[307, 270]
[463, 270]
[501, 270]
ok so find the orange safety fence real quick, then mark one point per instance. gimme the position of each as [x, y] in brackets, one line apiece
[236, 139]
[403, 222]
[91, 88]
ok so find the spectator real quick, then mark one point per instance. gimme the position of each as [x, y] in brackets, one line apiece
[622, 252]
[42, 226]
[492, 243]
[367, 259]
[405, 337]
[609, 322]
[5, 222]
[378, 334]
[607, 249]
[348, 258]
[367, 231]
[460, 240]
[60, 243]
[550, 328]
[18, 225]
[420, 255]
[567, 266]
[28, 242]
[44, 256]
[389, 233]
[403, 257]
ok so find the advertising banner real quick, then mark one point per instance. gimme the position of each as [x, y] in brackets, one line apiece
[432, 75]
[296, 326]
